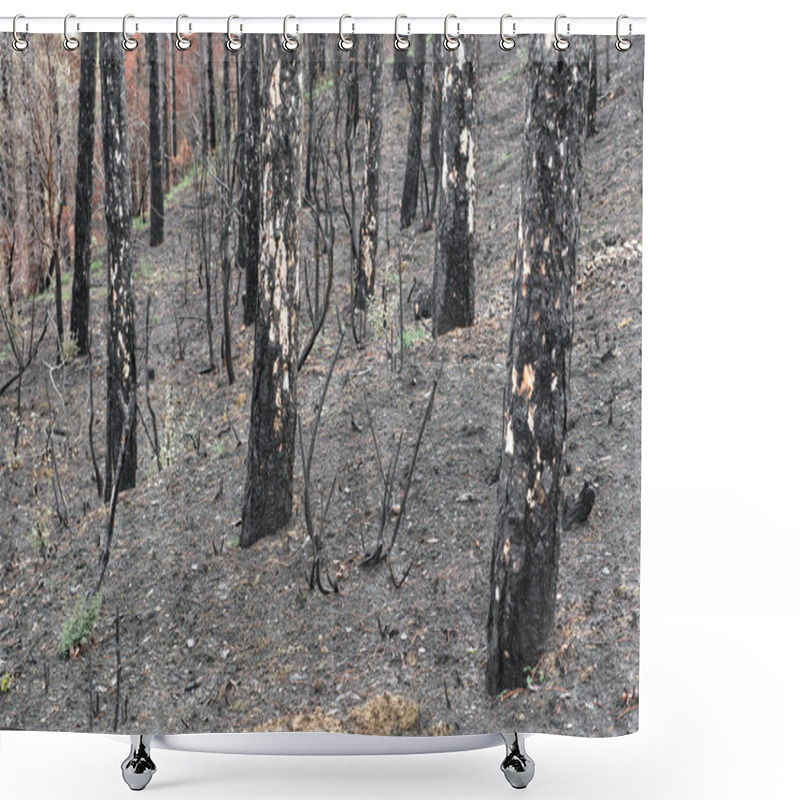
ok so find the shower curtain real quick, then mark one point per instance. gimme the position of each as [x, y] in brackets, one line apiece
[320, 384]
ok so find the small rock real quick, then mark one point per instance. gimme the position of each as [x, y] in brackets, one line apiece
[467, 497]
[190, 643]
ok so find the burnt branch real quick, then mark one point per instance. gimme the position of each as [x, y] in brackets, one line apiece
[316, 536]
[407, 487]
[130, 416]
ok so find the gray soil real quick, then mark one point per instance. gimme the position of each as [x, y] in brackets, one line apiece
[216, 638]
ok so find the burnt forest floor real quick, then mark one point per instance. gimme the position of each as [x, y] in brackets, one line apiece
[216, 638]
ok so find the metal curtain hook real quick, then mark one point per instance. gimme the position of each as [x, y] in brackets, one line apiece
[561, 42]
[507, 42]
[451, 42]
[623, 44]
[345, 42]
[181, 42]
[71, 42]
[128, 42]
[290, 43]
[401, 42]
[234, 43]
[19, 43]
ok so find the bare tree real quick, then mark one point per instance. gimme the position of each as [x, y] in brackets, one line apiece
[156, 153]
[270, 455]
[121, 369]
[165, 148]
[250, 159]
[435, 144]
[368, 232]
[524, 569]
[8, 174]
[212, 96]
[454, 264]
[416, 101]
[84, 186]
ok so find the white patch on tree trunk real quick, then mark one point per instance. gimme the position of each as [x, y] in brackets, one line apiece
[510, 438]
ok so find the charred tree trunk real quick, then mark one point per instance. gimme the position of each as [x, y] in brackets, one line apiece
[591, 103]
[8, 174]
[165, 149]
[311, 131]
[250, 104]
[174, 96]
[226, 95]
[155, 125]
[400, 68]
[203, 91]
[212, 97]
[408, 207]
[55, 203]
[436, 131]
[121, 369]
[270, 454]
[79, 313]
[368, 233]
[524, 567]
[454, 264]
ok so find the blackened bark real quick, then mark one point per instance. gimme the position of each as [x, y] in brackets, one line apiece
[408, 206]
[79, 313]
[226, 94]
[8, 174]
[400, 69]
[524, 569]
[368, 233]
[203, 89]
[155, 125]
[249, 122]
[174, 96]
[212, 97]
[270, 454]
[436, 131]
[313, 66]
[454, 264]
[165, 150]
[591, 107]
[54, 187]
[121, 368]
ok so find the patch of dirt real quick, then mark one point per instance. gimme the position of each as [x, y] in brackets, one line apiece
[215, 638]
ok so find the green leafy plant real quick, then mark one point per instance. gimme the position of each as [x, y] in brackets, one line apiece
[413, 335]
[533, 677]
[6, 681]
[77, 630]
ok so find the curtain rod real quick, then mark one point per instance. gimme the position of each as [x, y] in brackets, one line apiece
[631, 26]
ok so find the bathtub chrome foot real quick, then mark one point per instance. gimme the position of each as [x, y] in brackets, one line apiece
[518, 766]
[138, 768]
